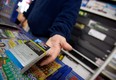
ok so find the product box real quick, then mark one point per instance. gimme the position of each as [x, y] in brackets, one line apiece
[27, 54]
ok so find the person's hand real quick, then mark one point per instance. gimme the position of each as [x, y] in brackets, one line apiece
[21, 18]
[56, 43]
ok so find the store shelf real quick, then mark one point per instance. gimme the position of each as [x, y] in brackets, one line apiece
[104, 65]
[88, 68]
[112, 66]
[86, 58]
[107, 74]
[98, 13]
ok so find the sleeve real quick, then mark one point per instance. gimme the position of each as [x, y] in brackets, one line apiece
[26, 14]
[64, 22]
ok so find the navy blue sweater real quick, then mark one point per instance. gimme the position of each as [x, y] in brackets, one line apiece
[50, 17]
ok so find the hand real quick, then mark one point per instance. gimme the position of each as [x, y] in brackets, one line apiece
[21, 18]
[56, 43]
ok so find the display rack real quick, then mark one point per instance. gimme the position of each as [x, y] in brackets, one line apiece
[95, 73]
[104, 65]
[98, 13]
[100, 69]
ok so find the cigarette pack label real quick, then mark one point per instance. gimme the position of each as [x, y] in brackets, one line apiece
[25, 55]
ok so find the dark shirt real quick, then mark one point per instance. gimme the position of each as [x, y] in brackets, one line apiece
[49, 17]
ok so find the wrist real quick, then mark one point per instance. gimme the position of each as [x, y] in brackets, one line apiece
[59, 36]
[57, 33]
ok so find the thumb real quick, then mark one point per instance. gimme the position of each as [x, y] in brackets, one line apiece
[66, 46]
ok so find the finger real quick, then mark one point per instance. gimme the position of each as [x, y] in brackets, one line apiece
[66, 46]
[47, 61]
[52, 54]
[49, 42]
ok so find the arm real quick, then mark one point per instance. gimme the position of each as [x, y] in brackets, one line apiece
[66, 19]
[61, 30]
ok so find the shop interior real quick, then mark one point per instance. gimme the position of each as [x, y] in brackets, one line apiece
[93, 39]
